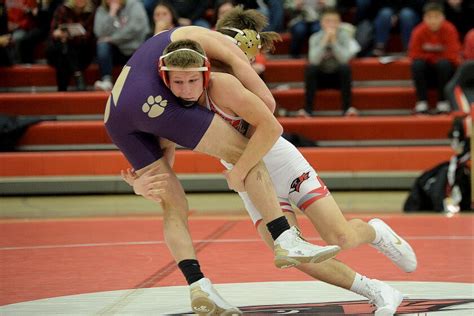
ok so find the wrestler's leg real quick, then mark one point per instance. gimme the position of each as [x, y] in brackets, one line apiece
[333, 227]
[229, 147]
[175, 214]
[331, 271]
[384, 297]
[329, 221]
[290, 249]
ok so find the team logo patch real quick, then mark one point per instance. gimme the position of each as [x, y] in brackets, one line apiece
[296, 184]
[154, 106]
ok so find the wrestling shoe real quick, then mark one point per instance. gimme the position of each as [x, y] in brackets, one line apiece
[291, 250]
[205, 300]
[393, 246]
[385, 298]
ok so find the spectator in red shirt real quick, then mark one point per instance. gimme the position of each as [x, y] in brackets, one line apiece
[469, 45]
[435, 52]
[460, 89]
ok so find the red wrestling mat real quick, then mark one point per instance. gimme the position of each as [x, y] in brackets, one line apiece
[49, 258]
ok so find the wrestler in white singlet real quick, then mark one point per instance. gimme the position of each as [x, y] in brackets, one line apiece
[294, 179]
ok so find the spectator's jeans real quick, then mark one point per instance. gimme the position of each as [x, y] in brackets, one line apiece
[363, 8]
[427, 75]
[300, 32]
[314, 79]
[463, 79]
[276, 14]
[107, 55]
[407, 19]
[202, 23]
[67, 59]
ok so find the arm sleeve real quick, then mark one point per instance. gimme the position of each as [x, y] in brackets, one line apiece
[316, 50]
[453, 45]
[138, 21]
[341, 49]
[104, 23]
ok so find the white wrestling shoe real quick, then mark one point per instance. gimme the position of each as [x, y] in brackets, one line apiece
[291, 250]
[384, 297]
[394, 246]
[205, 300]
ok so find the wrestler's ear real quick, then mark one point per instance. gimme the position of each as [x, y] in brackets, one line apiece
[163, 73]
[206, 73]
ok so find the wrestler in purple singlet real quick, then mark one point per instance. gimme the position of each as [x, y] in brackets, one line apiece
[142, 109]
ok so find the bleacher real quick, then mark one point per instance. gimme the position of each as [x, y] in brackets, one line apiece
[385, 147]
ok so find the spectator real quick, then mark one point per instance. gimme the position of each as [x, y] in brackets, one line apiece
[22, 24]
[468, 52]
[461, 14]
[404, 13]
[460, 89]
[274, 10]
[72, 43]
[191, 12]
[221, 7]
[5, 37]
[330, 51]
[164, 17]
[435, 52]
[120, 26]
[304, 21]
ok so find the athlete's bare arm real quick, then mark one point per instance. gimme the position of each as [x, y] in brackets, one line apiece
[218, 47]
[226, 89]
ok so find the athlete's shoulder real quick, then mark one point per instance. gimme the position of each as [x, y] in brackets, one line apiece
[190, 32]
[223, 80]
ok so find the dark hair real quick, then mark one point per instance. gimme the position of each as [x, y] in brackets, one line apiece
[433, 6]
[247, 19]
[329, 10]
[167, 5]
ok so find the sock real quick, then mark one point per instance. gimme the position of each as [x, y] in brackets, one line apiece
[278, 226]
[191, 270]
[359, 285]
[378, 237]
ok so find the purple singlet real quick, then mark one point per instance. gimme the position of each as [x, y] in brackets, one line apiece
[141, 109]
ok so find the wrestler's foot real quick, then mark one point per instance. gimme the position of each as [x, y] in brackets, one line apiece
[384, 297]
[394, 246]
[291, 250]
[206, 301]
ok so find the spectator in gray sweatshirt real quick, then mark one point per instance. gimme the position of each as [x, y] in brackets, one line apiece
[330, 51]
[120, 26]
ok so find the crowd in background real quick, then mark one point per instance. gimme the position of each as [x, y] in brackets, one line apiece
[438, 36]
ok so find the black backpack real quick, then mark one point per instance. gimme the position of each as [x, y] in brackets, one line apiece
[11, 130]
[446, 187]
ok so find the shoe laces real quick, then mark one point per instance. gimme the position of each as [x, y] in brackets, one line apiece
[389, 249]
[375, 297]
[299, 235]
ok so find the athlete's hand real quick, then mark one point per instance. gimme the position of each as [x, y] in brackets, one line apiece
[129, 176]
[235, 180]
[150, 184]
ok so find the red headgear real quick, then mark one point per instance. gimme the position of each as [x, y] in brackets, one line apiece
[163, 69]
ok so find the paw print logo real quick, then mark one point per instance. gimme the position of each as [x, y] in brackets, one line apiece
[154, 106]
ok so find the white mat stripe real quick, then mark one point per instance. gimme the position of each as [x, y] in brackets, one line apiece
[160, 242]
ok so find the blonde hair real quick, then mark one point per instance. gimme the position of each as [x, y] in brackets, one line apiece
[184, 58]
[247, 19]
